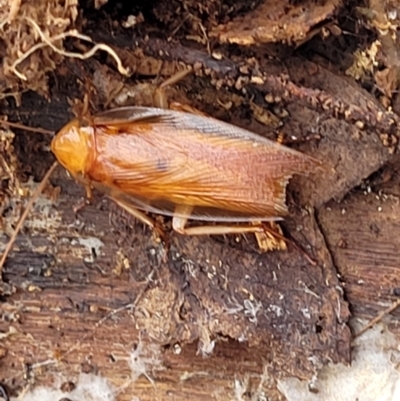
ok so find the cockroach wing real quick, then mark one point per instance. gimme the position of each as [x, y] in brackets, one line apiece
[126, 115]
[156, 159]
[167, 208]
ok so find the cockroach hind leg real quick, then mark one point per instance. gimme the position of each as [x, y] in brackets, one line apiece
[273, 230]
[215, 230]
[267, 240]
[160, 235]
[179, 225]
[160, 97]
[174, 79]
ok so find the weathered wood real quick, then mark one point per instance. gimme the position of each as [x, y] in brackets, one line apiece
[80, 292]
[70, 271]
[362, 233]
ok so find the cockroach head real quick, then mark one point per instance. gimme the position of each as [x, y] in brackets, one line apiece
[71, 146]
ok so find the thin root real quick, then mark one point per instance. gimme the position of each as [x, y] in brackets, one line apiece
[28, 208]
[50, 42]
[14, 9]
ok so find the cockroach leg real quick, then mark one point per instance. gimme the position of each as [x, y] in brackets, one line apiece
[179, 223]
[87, 200]
[175, 78]
[89, 193]
[267, 241]
[141, 217]
[135, 213]
[186, 108]
[161, 101]
[268, 238]
[160, 98]
[85, 107]
[179, 226]
[278, 235]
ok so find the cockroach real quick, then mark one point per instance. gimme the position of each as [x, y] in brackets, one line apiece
[176, 161]
[184, 165]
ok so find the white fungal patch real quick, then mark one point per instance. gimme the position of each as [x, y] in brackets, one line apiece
[372, 376]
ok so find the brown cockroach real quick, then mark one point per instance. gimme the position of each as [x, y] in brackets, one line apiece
[182, 164]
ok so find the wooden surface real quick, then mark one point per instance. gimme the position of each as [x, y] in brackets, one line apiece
[363, 236]
[69, 273]
[211, 317]
[69, 276]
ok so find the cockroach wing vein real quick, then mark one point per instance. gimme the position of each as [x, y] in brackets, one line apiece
[158, 159]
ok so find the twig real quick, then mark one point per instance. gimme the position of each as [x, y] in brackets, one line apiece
[378, 318]
[28, 208]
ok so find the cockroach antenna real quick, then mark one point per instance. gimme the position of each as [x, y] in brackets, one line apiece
[26, 128]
